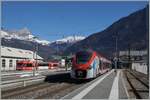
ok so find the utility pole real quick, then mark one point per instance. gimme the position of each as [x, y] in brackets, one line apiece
[129, 56]
[56, 48]
[74, 37]
[34, 55]
[33, 58]
[36, 63]
[116, 42]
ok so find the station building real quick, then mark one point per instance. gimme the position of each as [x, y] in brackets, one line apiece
[138, 60]
[134, 55]
[10, 56]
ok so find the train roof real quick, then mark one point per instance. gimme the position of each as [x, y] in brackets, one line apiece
[88, 51]
[103, 58]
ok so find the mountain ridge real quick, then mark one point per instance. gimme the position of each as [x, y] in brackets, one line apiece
[24, 39]
[132, 30]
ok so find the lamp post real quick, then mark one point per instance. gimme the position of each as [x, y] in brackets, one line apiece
[129, 56]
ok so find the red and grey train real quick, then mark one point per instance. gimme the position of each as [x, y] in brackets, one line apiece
[29, 65]
[89, 64]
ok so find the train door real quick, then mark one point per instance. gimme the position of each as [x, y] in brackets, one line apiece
[95, 67]
[99, 69]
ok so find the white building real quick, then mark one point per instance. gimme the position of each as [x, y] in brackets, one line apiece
[9, 57]
[140, 66]
[134, 55]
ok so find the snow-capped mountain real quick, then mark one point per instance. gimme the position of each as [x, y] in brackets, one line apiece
[61, 44]
[23, 34]
[24, 39]
[69, 39]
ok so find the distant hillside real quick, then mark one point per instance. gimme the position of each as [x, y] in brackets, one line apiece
[132, 30]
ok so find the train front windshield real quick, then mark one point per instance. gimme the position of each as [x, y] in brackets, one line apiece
[83, 57]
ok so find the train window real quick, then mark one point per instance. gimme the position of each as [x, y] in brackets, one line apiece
[29, 65]
[16, 61]
[3, 63]
[83, 57]
[10, 63]
[100, 63]
[43, 64]
[55, 65]
[20, 64]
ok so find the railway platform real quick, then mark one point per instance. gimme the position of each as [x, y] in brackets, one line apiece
[123, 84]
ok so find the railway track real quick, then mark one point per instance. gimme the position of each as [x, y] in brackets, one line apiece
[138, 86]
[21, 92]
[57, 93]
[40, 91]
[54, 87]
[139, 79]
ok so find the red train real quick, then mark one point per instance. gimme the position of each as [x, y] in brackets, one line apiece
[25, 65]
[30, 64]
[89, 64]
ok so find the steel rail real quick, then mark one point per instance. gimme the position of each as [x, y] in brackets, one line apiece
[21, 80]
[6, 85]
[133, 89]
[139, 80]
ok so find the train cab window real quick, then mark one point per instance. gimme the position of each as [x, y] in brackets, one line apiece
[10, 63]
[3, 63]
[83, 57]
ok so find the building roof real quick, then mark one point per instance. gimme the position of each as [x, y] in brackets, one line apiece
[18, 53]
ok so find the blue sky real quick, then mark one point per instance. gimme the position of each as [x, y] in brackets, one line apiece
[52, 20]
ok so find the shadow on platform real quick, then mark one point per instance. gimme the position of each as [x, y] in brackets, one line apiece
[63, 77]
